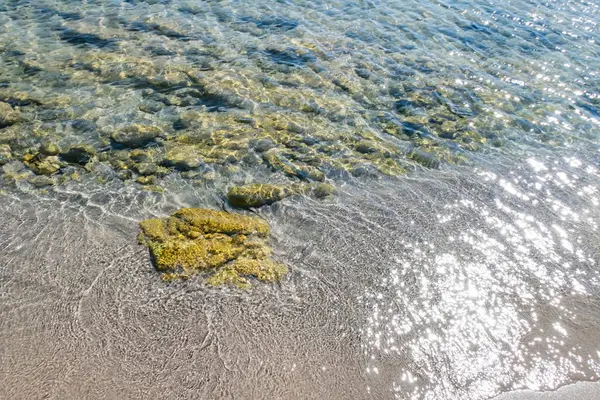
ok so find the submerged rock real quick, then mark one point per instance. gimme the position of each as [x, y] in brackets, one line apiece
[258, 194]
[42, 165]
[49, 149]
[425, 158]
[322, 190]
[81, 154]
[264, 144]
[183, 157]
[136, 135]
[146, 180]
[261, 194]
[278, 162]
[5, 154]
[145, 168]
[150, 107]
[41, 181]
[8, 116]
[232, 247]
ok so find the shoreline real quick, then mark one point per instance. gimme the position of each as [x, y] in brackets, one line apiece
[584, 390]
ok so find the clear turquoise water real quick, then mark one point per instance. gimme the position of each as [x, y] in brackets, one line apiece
[459, 259]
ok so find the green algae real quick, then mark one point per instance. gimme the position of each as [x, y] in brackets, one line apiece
[230, 247]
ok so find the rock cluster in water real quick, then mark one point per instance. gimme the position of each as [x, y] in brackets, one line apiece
[291, 111]
[154, 96]
[232, 248]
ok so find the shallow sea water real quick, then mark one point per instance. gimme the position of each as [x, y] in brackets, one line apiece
[458, 260]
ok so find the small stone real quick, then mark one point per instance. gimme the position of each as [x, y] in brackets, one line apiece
[41, 181]
[125, 175]
[210, 176]
[322, 190]
[5, 154]
[121, 155]
[8, 116]
[257, 195]
[150, 107]
[81, 154]
[145, 168]
[83, 125]
[41, 165]
[119, 165]
[264, 145]
[363, 73]
[136, 135]
[49, 149]
[278, 162]
[425, 158]
[146, 180]
[190, 174]
[140, 155]
[366, 148]
[153, 188]
[363, 171]
[184, 158]
[188, 120]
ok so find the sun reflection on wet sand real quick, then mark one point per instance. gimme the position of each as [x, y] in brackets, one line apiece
[490, 308]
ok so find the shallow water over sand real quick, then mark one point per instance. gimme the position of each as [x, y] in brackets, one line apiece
[458, 260]
[458, 285]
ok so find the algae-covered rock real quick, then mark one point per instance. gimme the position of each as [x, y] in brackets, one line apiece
[49, 149]
[42, 165]
[231, 247]
[258, 194]
[183, 157]
[81, 154]
[425, 158]
[125, 175]
[136, 135]
[322, 190]
[41, 181]
[150, 107]
[145, 168]
[278, 162]
[263, 145]
[8, 116]
[5, 154]
[146, 180]
[366, 147]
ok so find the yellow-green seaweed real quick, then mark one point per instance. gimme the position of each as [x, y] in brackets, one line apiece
[231, 247]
